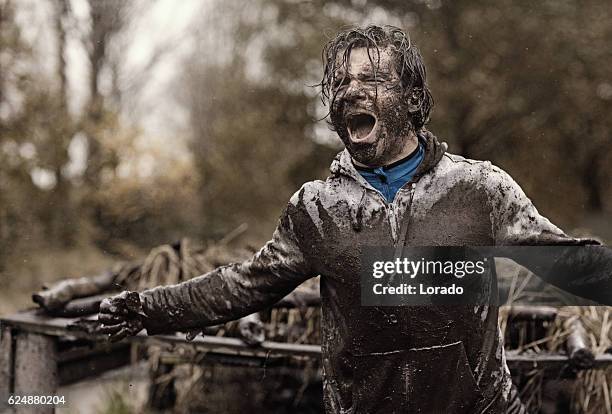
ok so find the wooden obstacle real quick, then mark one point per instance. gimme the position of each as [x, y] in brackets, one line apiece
[38, 353]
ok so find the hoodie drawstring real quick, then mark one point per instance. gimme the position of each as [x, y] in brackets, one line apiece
[357, 212]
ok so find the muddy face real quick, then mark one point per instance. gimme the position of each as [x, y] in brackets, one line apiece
[371, 112]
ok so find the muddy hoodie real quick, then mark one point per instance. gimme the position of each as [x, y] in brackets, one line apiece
[427, 359]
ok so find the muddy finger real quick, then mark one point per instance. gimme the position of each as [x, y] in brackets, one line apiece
[122, 334]
[117, 309]
[110, 319]
[111, 329]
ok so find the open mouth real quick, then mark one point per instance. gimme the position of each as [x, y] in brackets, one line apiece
[360, 126]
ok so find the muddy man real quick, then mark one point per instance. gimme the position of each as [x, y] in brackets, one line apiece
[393, 183]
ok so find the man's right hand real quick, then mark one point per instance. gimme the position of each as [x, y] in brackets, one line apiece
[121, 316]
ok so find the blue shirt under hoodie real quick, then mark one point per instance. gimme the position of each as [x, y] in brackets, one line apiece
[390, 178]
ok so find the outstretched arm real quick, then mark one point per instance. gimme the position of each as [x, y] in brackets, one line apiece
[227, 293]
[577, 265]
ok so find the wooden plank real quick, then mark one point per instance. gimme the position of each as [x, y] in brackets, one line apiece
[234, 346]
[35, 317]
[532, 313]
[214, 358]
[6, 361]
[36, 367]
[33, 321]
[67, 290]
[80, 307]
[543, 360]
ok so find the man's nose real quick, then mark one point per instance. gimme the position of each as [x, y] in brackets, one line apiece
[354, 91]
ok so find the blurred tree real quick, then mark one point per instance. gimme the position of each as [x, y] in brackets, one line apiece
[60, 128]
[108, 19]
[40, 203]
[17, 153]
[520, 84]
[523, 84]
[252, 116]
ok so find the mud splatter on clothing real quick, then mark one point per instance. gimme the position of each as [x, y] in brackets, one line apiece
[430, 359]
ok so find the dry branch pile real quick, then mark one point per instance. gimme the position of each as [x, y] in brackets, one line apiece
[580, 331]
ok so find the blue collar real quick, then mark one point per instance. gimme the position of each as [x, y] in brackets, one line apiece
[390, 178]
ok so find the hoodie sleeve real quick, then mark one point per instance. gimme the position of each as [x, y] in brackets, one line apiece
[516, 221]
[580, 266]
[233, 291]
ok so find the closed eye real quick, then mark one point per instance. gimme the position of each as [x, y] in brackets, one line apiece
[339, 82]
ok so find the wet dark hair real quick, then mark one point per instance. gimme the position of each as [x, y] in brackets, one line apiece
[407, 59]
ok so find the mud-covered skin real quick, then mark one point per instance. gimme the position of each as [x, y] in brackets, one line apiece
[372, 83]
[121, 316]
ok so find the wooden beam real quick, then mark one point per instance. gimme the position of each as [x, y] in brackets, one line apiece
[577, 347]
[36, 367]
[548, 360]
[234, 350]
[80, 307]
[214, 358]
[532, 313]
[233, 346]
[91, 304]
[66, 290]
[6, 360]
[34, 321]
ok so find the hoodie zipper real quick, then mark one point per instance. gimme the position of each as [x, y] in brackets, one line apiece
[388, 208]
[391, 211]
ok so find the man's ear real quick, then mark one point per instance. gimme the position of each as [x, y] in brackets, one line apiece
[414, 100]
